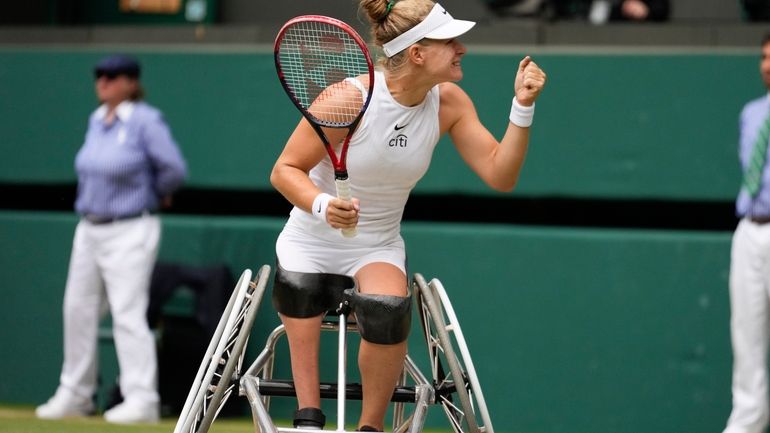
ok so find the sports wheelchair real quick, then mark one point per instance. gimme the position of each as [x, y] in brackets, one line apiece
[452, 384]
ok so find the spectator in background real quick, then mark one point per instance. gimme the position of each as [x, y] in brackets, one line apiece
[127, 170]
[750, 267]
[544, 9]
[756, 10]
[516, 7]
[628, 10]
[596, 11]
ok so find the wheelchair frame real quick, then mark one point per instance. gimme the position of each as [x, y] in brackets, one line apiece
[453, 382]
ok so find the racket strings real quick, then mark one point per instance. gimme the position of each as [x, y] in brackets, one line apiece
[318, 61]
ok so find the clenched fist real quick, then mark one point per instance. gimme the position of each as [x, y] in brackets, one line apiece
[530, 80]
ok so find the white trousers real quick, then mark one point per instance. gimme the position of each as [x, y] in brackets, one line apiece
[115, 260]
[750, 327]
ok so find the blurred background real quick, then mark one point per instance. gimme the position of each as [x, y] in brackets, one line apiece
[594, 297]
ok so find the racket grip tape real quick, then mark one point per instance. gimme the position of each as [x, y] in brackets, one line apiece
[343, 192]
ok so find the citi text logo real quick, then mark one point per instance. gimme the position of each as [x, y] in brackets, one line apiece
[399, 141]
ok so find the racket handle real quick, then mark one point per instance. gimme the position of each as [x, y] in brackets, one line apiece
[343, 192]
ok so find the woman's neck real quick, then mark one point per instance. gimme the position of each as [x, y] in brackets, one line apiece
[407, 89]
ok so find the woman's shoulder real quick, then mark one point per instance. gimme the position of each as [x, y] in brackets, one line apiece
[452, 94]
[454, 105]
[98, 113]
[146, 107]
[147, 111]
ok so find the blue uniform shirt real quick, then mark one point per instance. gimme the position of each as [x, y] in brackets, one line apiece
[752, 117]
[126, 167]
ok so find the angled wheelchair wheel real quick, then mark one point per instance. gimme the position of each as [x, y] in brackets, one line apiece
[455, 380]
[220, 370]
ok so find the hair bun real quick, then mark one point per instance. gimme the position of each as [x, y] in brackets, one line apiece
[377, 10]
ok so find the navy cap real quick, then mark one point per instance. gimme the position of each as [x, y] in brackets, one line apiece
[118, 64]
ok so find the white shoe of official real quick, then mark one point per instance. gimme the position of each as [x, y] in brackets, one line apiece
[133, 412]
[65, 404]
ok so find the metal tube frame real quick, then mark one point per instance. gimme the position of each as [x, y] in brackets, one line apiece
[424, 393]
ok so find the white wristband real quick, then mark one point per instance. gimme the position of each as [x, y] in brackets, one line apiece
[320, 204]
[520, 115]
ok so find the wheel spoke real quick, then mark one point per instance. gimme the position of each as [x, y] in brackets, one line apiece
[217, 379]
[456, 390]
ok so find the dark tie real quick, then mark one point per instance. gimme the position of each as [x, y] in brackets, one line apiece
[752, 176]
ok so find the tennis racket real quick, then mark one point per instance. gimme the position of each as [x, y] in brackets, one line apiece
[326, 70]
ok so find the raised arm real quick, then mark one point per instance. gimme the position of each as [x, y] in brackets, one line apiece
[497, 163]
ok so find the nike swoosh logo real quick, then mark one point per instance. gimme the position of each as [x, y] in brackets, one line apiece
[398, 128]
[319, 208]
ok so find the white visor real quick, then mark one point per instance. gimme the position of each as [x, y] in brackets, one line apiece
[437, 25]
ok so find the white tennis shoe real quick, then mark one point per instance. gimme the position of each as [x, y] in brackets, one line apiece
[65, 404]
[133, 412]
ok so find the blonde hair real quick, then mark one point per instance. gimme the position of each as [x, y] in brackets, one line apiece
[388, 22]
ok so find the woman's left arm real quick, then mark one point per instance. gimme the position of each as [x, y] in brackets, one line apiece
[498, 164]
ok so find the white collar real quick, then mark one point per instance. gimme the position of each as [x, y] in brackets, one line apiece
[124, 110]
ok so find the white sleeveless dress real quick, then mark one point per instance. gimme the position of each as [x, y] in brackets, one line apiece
[389, 153]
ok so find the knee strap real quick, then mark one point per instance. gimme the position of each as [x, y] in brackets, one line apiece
[382, 319]
[306, 294]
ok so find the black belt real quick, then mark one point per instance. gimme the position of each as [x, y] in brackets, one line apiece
[760, 219]
[99, 220]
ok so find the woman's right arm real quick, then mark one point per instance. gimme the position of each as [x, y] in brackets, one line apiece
[303, 151]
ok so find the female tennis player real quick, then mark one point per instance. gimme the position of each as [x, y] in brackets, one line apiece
[415, 102]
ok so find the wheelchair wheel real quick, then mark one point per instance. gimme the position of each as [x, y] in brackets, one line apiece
[455, 380]
[218, 374]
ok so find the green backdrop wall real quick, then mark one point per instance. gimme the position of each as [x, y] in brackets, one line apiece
[607, 125]
[572, 330]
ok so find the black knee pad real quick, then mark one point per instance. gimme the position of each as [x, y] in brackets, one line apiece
[382, 319]
[303, 294]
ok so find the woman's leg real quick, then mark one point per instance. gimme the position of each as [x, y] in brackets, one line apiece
[304, 337]
[380, 364]
[127, 257]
